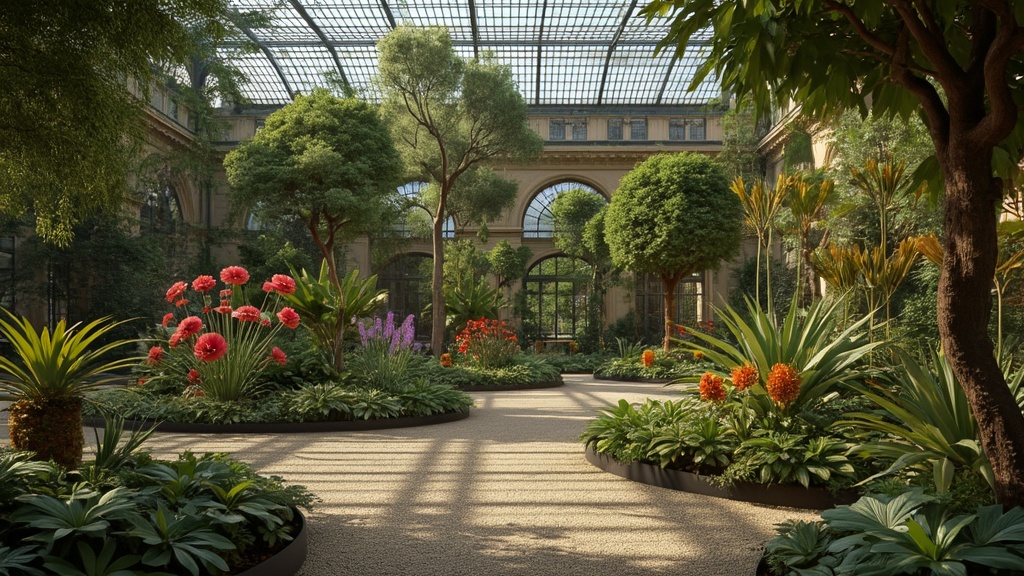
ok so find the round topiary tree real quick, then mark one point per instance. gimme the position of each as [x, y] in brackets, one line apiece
[673, 215]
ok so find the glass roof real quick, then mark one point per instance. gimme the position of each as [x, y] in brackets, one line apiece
[562, 52]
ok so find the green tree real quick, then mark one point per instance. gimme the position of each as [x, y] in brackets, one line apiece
[328, 162]
[71, 127]
[740, 138]
[508, 264]
[673, 215]
[956, 62]
[572, 212]
[448, 116]
[478, 198]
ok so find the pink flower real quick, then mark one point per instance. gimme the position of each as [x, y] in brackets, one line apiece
[279, 356]
[288, 317]
[223, 308]
[283, 284]
[225, 293]
[176, 290]
[156, 354]
[210, 347]
[268, 287]
[167, 319]
[246, 313]
[193, 376]
[203, 284]
[234, 275]
[189, 326]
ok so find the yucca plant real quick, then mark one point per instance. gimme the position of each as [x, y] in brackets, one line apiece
[47, 379]
[815, 356]
[927, 423]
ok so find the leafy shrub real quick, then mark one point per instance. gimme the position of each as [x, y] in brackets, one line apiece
[525, 370]
[383, 360]
[664, 367]
[573, 363]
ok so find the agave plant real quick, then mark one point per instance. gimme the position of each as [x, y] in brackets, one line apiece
[47, 379]
[820, 356]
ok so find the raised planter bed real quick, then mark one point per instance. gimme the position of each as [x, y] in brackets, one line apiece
[788, 495]
[287, 427]
[634, 379]
[532, 386]
[289, 559]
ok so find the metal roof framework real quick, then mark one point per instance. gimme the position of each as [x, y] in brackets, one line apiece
[561, 52]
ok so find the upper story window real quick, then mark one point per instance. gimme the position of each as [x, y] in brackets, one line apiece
[615, 128]
[693, 129]
[567, 129]
[638, 129]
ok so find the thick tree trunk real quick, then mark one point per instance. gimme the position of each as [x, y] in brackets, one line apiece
[670, 284]
[810, 279]
[964, 305]
[437, 316]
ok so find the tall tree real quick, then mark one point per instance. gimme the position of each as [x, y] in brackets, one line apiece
[325, 161]
[573, 212]
[448, 116]
[69, 125]
[959, 63]
[673, 215]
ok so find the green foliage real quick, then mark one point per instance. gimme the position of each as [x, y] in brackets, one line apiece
[573, 363]
[321, 403]
[472, 299]
[525, 370]
[423, 398]
[478, 197]
[110, 454]
[786, 458]
[19, 474]
[59, 364]
[326, 161]
[664, 368]
[508, 263]
[72, 127]
[740, 137]
[925, 423]
[571, 211]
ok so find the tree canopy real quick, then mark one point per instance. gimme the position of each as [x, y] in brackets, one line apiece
[328, 162]
[448, 117]
[673, 215]
[70, 127]
[957, 63]
[571, 211]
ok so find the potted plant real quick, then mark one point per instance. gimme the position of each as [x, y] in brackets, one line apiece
[47, 378]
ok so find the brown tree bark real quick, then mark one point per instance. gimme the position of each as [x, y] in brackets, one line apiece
[670, 283]
[437, 311]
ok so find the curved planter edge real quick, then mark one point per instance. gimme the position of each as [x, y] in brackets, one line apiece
[636, 380]
[287, 427]
[788, 495]
[289, 560]
[532, 386]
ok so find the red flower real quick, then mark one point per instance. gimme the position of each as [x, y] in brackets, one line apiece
[278, 355]
[203, 284]
[223, 308]
[711, 388]
[180, 302]
[174, 339]
[189, 326]
[176, 290]
[234, 275]
[265, 323]
[288, 317]
[193, 376]
[210, 347]
[283, 284]
[246, 313]
[167, 319]
[156, 354]
[268, 287]
[225, 293]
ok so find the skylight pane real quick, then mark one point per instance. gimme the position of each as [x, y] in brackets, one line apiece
[453, 14]
[572, 21]
[509, 21]
[360, 64]
[676, 91]
[523, 62]
[264, 85]
[571, 74]
[305, 66]
[354, 21]
[635, 76]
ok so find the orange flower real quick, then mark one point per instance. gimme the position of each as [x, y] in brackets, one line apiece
[783, 383]
[647, 358]
[446, 360]
[745, 376]
[698, 355]
[711, 388]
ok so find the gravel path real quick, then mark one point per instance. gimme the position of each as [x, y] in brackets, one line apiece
[505, 492]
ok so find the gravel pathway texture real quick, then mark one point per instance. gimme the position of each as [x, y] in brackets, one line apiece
[505, 492]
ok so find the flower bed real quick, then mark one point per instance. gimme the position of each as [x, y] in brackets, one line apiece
[525, 372]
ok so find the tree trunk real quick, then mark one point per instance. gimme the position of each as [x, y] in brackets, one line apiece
[437, 316]
[810, 278]
[964, 306]
[670, 283]
[50, 428]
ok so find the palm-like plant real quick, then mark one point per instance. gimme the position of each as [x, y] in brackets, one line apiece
[47, 379]
[807, 203]
[882, 274]
[761, 205]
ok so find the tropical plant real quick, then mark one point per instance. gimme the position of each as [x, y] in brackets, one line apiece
[109, 562]
[110, 455]
[472, 299]
[47, 378]
[179, 542]
[761, 205]
[321, 402]
[489, 343]
[807, 203]
[18, 474]
[628, 350]
[329, 309]
[800, 544]
[925, 424]
[383, 360]
[817, 357]
[882, 273]
[784, 458]
[423, 398]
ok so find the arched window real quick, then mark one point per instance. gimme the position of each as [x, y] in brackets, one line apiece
[161, 210]
[419, 221]
[538, 220]
[556, 298]
[407, 280]
[650, 304]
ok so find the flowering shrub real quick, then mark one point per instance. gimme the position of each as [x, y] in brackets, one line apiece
[647, 358]
[783, 383]
[383, 360]
[488, 342]
[711, 388]
[221, 347]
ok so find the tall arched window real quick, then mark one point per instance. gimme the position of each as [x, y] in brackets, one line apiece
[650, 304]
[161, 210]
[419, 221]
[538, 220]
[407, 280]
[556, 298]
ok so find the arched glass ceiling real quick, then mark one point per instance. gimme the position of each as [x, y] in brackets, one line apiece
[562, 52]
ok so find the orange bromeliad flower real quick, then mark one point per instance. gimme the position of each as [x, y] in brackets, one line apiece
[783, 383]
[647, 358]
[446, 360]
[711, 388]
[745, 376]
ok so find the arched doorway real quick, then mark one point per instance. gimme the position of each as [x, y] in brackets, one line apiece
[556, 291]
[407, 280]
